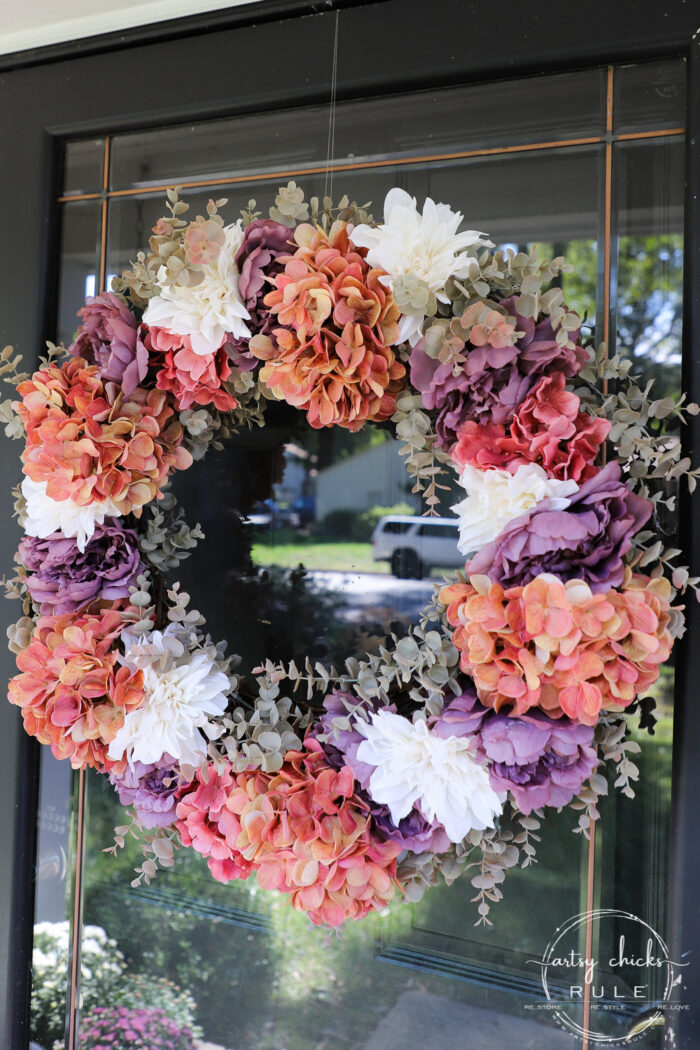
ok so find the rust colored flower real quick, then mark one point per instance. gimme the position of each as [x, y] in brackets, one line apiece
[548, 428]
[191, 378]
[332, 356]
[89, 443]
[558, 646]
[72, 693]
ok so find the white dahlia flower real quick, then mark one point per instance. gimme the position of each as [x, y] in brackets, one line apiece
[424, 244]
[209, 309]
[415, 766]
[496, 497]
[44, 515]
[183, 691]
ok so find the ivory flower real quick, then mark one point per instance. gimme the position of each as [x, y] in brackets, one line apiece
[209, 310]
[44, 515]
[414, 765]
[425, 244]
[183, 691]
[496, 497]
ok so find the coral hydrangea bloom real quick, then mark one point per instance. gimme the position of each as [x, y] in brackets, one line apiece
[548, 429]
[332, 356]
[91, 444]
[191, 378]
[302, 830]
[560, 647]
[71, 690]
[205, 824]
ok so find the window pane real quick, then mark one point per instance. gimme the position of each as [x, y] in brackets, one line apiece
[649, 96]
[537, 109]
[79, 272]
[649, 194]
[83, 166]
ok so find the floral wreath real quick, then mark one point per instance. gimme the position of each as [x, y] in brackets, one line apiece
[443, 750]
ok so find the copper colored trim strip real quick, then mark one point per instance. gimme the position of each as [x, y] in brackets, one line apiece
[361, 165]
[396, 162]
[103, 217]
[607, 237]
[606, 244]
[590, 883]
[77, 914]
[629, 135]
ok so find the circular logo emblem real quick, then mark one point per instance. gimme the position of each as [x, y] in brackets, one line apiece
[607, 975]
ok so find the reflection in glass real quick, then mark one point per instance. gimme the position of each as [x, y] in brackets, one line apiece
[478, 116]
[649, 96]
[78, 276]
[83, 166]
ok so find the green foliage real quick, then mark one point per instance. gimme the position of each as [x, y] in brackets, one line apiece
[158, 993]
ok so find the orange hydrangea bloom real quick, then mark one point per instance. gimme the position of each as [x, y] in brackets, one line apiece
[90, 444]
[302, 830]
[71, 691]
[557, 645]
[333, 356]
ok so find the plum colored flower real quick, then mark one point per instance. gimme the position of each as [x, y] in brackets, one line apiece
[548, 428]
[209, 309]
[494, 380]
[264, 241]
[413, 832]
[332, 355]
[184, 691]
[151, 789]
[558, 646]
[72, 693]
[425, 244]
[586, 540]
[191, 378]
[90, 444]
[44, 516]
[540, 761]
[302, 830]
[412, 764]
[109, 339]
[496, 497]
[62, 578]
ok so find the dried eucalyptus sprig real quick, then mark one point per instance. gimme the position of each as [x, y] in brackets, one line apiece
[426, 463]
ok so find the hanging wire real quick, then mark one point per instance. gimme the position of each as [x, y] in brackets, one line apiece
[330, 148]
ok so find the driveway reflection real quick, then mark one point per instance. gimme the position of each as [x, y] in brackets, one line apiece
[371, 596]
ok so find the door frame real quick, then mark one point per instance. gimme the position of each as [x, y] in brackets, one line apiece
[109, 84]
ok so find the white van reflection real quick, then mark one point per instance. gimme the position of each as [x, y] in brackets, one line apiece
[413, 545]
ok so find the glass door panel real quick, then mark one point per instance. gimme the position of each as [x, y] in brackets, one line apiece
[233, 961]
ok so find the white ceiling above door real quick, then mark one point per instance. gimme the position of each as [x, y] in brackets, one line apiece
[34, 23]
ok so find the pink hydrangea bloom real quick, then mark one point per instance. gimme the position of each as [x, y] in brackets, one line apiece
[548, 428]
[192, 378]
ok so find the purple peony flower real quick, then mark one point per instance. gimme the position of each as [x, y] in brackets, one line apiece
[151, 790]
[494, 380]
[257, 259]
[414, 832]
[586, 541]
[541, 761]
[62, 578]
[109, 338]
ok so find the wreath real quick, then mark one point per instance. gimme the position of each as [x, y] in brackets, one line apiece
[444, 748]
